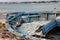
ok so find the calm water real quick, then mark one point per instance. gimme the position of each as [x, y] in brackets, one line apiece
[28, 7]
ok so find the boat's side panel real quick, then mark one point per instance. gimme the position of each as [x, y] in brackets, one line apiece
[58, 22]
[49, 27]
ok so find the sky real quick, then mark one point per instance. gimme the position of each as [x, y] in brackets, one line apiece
[22, 0]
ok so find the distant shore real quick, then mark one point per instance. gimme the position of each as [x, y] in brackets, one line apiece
[29, 2]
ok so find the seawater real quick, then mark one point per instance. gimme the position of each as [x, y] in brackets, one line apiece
[34, 7]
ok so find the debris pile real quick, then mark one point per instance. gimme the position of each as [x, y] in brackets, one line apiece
[6, 35]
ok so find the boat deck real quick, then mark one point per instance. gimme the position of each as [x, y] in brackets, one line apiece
[30, 28]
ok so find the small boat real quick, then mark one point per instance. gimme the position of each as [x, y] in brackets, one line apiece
[32, 24]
